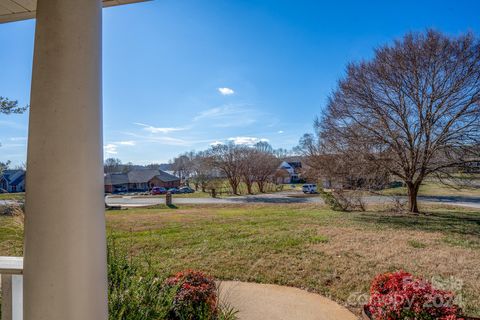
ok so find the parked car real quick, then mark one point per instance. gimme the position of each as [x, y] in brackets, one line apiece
[186, 189]
[120, 190]
[173, 190]
[309, 188]
[158, 190]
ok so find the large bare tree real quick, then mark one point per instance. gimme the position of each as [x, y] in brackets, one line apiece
[264, 163]
[413, 110]
[228, 159]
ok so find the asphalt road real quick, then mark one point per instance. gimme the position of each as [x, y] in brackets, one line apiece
[280, 197]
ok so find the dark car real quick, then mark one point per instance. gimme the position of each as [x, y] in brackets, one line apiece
[158, 190]
[121, 189]
[173, 190]
[186, 189]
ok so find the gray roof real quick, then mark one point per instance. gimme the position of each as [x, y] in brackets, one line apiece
[138, 176]
[16, 175]
[141, 175]
[166, 177]
[116, 178]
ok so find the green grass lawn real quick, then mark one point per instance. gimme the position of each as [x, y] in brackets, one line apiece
[301, 245]
[12, 196]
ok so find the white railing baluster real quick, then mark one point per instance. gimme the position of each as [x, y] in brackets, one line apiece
[17, 297]
[11, 270]
[6, 297]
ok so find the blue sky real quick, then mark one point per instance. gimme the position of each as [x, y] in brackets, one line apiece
[180, 75]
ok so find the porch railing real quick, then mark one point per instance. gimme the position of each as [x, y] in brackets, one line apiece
[11, 274]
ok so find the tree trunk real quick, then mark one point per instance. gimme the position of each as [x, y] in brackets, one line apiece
[260, 186]
[412, 196]
[234, 186]
[249, 183]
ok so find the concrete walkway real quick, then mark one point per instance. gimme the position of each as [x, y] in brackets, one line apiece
[271, 302]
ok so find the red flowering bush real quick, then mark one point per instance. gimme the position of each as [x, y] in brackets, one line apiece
[193, 295]
[401, 296]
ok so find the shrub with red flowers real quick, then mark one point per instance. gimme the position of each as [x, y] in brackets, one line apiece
[401, 296]
[193, 295]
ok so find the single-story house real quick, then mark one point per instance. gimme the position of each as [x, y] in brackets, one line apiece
[139, 180]
[13, 180]
[164, 179]
[116, 182]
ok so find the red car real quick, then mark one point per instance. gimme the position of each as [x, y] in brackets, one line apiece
[158, 190]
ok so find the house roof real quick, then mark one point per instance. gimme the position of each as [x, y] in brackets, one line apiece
[13, 177]
[138, 176]
[141, 175]
[295, 164]
[166, 177]
[116, 178]
[15, 10]
[18, 180]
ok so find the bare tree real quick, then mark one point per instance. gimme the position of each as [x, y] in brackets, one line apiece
[414, 110]
[182, 165]
[4, 166]
[112, 165]
[228, 159]
[202, 170]
[264, 163]
[247, 166]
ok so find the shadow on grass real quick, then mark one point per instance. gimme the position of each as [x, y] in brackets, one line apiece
[162, 206]
[253, 199]
[446, 221]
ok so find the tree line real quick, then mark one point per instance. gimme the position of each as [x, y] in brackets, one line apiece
[251, 165]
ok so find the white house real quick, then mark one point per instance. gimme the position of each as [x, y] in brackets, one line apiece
[292, 168]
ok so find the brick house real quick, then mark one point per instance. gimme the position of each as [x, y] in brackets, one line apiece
[165, 180]
[139, 180]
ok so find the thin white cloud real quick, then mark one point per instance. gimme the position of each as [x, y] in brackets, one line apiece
[226, 91]
[229, 116]
[153, 129]
[157, 139]
[127, 143]
[110, 148]
[248, 141]
[280, 131]
[18, 139]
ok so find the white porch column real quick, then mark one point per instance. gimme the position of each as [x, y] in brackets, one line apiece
[65, 251]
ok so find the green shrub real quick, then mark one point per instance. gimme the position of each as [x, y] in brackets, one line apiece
[135, 292]
[138, 292]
